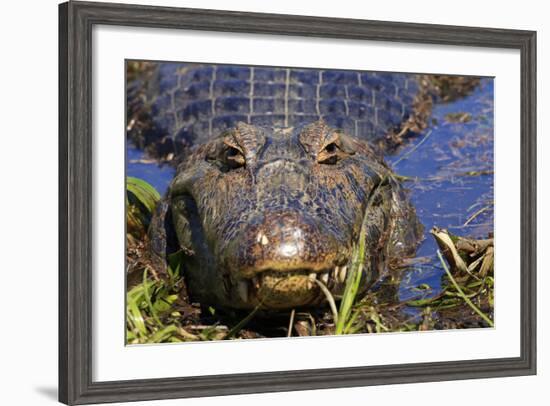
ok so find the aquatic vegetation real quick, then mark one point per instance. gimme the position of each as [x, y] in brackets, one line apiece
[159, 310]
[468, 294]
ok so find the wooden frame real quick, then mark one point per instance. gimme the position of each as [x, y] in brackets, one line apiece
[75, 187]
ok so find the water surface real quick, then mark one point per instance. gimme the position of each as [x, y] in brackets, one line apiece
[452, 165]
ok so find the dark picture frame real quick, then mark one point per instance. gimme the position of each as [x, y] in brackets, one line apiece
[76, 20]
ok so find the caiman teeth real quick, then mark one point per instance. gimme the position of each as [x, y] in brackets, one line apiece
[242, 289]
[336, 274]
[334, 277]
[340, 274]
[343, 273]
[324, 278]
[256, 282]
[312, 277]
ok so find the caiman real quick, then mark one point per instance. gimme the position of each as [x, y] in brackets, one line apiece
[276, 174]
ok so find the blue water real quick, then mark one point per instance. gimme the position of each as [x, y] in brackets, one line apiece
[442, 192]
[138, 166]
[444, 195]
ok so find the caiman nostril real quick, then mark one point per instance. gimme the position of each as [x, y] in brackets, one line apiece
[293, 243]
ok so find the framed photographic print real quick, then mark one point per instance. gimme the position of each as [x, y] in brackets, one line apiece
[257, 202]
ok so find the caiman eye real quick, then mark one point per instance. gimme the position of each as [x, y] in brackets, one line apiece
[330, 148]
[330, 154]
[225, 157]
[337, 147]
[233, 158]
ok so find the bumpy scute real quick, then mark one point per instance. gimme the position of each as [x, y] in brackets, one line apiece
[174, 107]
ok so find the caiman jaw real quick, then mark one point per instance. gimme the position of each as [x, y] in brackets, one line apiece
[289, 289]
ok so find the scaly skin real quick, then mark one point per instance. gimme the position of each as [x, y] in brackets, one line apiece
[276, 176]
[261, 212]
[181, 106]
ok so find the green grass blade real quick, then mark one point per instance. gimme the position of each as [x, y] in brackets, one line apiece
[143, 191]
[356, 268]
[330, 299]
[147, 297]
[461, 293]
[136, 319]
[163, 335]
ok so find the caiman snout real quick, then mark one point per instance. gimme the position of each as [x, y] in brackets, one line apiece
[281, 242]
[277, 259]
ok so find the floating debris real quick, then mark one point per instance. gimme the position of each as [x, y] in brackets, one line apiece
[468, 296]
[458, 117]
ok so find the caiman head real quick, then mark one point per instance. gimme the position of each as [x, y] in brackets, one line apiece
[264, 216]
